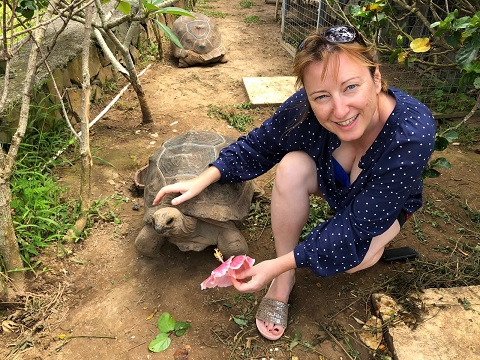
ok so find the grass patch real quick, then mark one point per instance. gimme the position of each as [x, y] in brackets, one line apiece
[320, 211]
[205, 8]
[42, 212]
[246, 4]
[252, 19]
[235, 115]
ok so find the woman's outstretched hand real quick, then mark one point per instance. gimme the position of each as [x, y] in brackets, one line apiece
[259, 276]
[255, 278]
[188, 188]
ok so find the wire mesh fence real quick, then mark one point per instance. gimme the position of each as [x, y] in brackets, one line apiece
[439, 88]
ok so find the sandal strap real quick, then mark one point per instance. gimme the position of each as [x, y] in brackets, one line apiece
[274, 311]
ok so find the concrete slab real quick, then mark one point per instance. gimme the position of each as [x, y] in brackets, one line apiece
[450, 326]
[269, 90]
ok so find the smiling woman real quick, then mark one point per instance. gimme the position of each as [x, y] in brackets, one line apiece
[345, 135]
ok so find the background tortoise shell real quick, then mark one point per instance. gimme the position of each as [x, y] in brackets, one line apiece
[200, 38]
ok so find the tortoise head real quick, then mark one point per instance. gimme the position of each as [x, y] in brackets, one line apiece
[171, 222]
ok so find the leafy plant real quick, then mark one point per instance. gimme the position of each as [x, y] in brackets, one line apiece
[153, 7]
[463, 34]
[319, 212]
[166, 326]
[441, 143]
[446, 45]
[40, 211]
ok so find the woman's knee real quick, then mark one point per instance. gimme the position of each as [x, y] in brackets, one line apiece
[296, 170]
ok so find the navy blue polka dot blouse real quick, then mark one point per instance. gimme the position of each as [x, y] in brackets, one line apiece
[390, 180]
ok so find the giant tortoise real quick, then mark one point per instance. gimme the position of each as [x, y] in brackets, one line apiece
[201, 40]
[210, 218]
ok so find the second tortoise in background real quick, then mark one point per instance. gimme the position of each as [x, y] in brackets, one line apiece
[201, 40]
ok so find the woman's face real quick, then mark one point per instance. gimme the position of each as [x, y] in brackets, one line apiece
[345, 102]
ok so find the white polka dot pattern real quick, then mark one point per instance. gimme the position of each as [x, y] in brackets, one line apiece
[390, 180]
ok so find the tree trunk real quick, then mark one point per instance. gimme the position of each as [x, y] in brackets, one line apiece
[132, 75]
[85, 154]
[8, 241]
[142, 99]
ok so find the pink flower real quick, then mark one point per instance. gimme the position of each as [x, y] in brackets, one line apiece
[223, 274]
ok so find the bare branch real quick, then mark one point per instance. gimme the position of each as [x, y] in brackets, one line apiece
[417, 13]
[106, 50]
[72, 7]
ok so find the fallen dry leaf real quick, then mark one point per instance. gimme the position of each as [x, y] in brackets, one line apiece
[371, 333]
[181, 354]
[8, 326]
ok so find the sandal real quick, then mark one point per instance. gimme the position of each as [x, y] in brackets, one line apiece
[274, 311]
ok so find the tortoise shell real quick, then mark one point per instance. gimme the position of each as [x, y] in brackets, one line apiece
[200, 38]
[185, 157]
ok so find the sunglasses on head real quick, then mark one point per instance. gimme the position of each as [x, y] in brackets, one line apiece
[340, 34]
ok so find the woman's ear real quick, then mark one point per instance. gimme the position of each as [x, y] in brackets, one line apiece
[377, 79]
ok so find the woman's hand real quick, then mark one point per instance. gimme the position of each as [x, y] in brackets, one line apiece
[262, 274]
[256, 277]
[189, 188]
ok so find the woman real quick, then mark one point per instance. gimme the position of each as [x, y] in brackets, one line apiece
[344, 135]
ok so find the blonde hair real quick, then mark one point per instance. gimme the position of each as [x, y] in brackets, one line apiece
[316, 48]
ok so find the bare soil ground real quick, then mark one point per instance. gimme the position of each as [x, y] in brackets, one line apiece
[103, 300]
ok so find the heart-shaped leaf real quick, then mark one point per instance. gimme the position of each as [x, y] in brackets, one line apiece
[181, 327]
[160, 343]
[166, 323]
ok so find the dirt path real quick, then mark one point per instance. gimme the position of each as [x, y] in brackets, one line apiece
[106, 299]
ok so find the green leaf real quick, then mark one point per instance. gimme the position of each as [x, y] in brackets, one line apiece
[473, 67]
[399, 40]
[124, 7]
[150, 7]
[181, 327]
[160, 343]
[239, 321]
[466, 54]
[441, 143]
[430, 173]
[441, 163]
[355, 10]
[462, 23]
[169, 34]
[450, 135]
[166, 323]
[296, 340]
[476, 82]
[175, 11]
